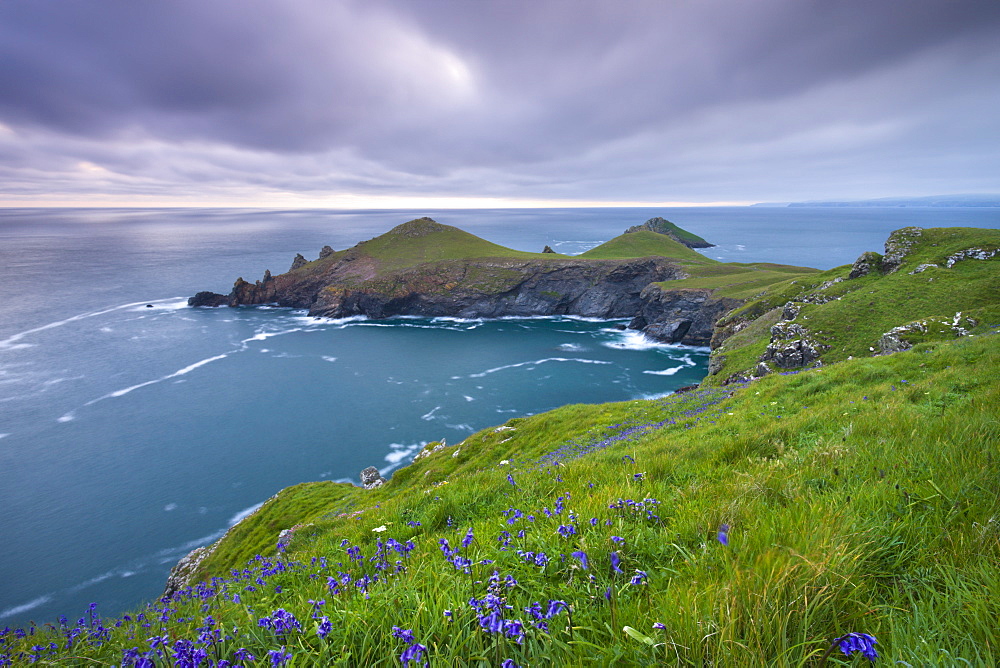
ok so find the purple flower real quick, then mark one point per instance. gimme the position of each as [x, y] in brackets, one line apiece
[615, 562]
[555, 607]
[406, 635]
[582, 556]
[468, 538]
[509, 663]
[492, 622]
[724, 534]
[413, 653]
[858, 642]
[659, 625]
[510, 479]
[278, 656]
[639, 577]
[324, 628]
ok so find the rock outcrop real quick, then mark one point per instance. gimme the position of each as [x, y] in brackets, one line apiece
[898, 246]
[371, 478]
[681, 316]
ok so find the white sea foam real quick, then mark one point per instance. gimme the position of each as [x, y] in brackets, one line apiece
[163, 305]
[169, 507]
[68, 417]
[263, 336]
[667, 372]
[571, 347]
[461, 427]
[25, 607]
[535, 363]
[328, 358]
[245, 513]
[400, 454]
[635, 340]
[4, 435]
[430, 415]
[464, 396]
[10, 341]
[180, 372]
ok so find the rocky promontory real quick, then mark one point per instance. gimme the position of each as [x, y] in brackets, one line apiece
[424, 268]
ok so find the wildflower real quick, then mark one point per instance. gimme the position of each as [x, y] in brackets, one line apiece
[468, 538]
[582, 556]
[509, 663]
[379, 529]
[406, 635]
[324, 628]
[659, 626]
[858, 642]
[510, 479]
[413, 653]
[278, 656]
[724, 534]
[639, 577]
[615, 561]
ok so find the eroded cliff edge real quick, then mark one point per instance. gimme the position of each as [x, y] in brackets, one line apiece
[424, 268]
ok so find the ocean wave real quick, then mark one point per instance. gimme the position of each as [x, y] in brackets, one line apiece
[10, 341]
[535, 363]
[400, 454]
[245, 513]
[667, 372]
[571, 347]
[25, 607]
[430, 415]
[635, 340]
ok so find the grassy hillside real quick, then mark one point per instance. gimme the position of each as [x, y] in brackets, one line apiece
[751, 524]
[847, 317]
[642, 244]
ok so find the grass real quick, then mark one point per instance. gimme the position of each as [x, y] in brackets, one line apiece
[859, 498]
[741, 525]
[644, 244]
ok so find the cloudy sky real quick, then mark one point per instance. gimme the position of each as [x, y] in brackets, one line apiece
[474, 102]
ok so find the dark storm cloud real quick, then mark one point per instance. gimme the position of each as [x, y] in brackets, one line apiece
[598, 100]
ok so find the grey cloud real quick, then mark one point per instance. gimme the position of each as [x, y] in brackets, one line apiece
[582, 98]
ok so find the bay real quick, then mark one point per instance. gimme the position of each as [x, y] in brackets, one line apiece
[134, 428]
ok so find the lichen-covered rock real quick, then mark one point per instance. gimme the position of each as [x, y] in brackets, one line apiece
[790, 311]
[326, 250]
[898, 246]
[371, 478]
[971, 254]
[923, 267]
[865, 264]
[183, 570]
[715, 364]
[431, 448]
[782, 331]
[791, 354]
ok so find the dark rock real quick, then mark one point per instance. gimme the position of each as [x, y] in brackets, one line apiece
[638, 322]
[621, 327]
[670, 332]
[298, 262]
[149, 306]
[371, 478]
[681, 316]
[547, 250]
[762, 370]
[790, 311]
[208, 299]
[791, 354]
[326, 250]
[865, 264]
[686, 388]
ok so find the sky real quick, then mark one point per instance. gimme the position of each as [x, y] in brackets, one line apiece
[403, 103]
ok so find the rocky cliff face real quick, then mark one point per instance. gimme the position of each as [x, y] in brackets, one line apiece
[681, 316]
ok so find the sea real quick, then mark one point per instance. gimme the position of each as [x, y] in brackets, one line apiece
[134, 428]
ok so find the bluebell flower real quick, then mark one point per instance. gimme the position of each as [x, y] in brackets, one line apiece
[406, 635]
[510, 479]
[582, 556]
[509, 663]
[724, 534]
[413, 653]
[324, 628]
[858, 642]
[639, 577]
[615, 562]
[468, 538]
[278, 656]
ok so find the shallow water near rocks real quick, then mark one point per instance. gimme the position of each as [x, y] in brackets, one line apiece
[134, 428]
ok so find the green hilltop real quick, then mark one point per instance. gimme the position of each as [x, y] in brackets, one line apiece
[753, 521]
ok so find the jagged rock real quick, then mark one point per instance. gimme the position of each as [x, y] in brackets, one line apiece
[671, 332]
[431, 448]
[371, 478]
[762, 370]
[664, 226]
[970, 254]
[923, 267]
[898, 246]
[895, 340]
[865, 264]
[547, 250]
[791, 354]
[715, 364]
[790, 311]
[681, 316]
[829, 284]
[782, 331]
[183, 570]
[208, 299]
[298, 262]
[326, 250]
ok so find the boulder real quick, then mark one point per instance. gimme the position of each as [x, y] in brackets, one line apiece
[865, 264]
[326, 250]
[371, 478]
[207, 298]
[298, 262]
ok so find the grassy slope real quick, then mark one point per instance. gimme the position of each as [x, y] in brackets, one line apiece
[861, 497]
[642, 244]
[863, 309]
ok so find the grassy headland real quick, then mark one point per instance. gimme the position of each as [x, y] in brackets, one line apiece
[734, 525]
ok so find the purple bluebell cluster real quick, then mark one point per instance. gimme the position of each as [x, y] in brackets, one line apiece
[862, 643]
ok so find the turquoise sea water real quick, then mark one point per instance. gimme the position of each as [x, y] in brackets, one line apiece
[134, 428]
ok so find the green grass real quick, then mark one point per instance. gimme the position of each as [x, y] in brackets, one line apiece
[645, 244]
[861, 497]
[737, 280]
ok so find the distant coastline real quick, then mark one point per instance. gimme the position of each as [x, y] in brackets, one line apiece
[978, 200]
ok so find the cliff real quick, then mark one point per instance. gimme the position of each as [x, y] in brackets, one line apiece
[427, 269]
